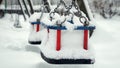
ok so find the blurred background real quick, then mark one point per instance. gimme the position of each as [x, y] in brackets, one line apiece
[106, 8]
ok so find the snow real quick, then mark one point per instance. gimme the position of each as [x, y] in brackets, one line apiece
[56, 19]
[45, 18]
[71, 43]
[34, 17]
[34, 36]
[107, 42]
[15, 52]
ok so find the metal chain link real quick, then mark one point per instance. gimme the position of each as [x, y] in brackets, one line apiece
[76, 7]
[85, 22]
[55, 10]
[62, 2]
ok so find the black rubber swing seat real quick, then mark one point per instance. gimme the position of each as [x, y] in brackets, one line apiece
[67, 61]
[35, 42]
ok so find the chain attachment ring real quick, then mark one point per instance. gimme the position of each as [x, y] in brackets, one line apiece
[84, 21]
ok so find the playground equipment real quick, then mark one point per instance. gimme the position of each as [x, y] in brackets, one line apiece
[26, 7]
[35, 25]
[69, 47]
[66, 34]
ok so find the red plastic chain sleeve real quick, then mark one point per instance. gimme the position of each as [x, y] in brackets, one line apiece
[85, 39]
[37, 27]
[58, 40]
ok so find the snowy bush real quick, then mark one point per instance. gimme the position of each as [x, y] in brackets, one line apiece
[106, 8]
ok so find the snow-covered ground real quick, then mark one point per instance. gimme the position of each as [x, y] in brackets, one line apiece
[106, 42]
[16, 52]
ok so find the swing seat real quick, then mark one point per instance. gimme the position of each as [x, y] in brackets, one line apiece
[65, 60]
[35, 42]
[35, 29]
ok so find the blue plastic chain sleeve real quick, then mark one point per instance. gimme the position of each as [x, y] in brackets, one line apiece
[64, 28]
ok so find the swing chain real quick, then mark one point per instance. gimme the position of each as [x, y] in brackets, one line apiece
[58, 23]
[51, 15]
[42, 12]
[85, 22]
[76, 7]
[82, 18]
[61, 3]
[55, 10]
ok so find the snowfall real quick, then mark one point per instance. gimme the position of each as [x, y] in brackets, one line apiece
[16, 52]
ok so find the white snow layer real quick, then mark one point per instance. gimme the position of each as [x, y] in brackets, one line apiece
[56, 18]
[33, 35]
[71, 46]
[14, 54]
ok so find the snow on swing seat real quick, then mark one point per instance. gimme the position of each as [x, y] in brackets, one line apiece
[72, 51]
[36, 27]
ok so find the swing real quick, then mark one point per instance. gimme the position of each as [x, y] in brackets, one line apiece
[35, 29]
[68, 60]
[66, 46]
[36, 26]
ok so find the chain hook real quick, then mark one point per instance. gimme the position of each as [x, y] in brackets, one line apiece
[51, 15]
[84, 21]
